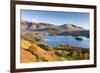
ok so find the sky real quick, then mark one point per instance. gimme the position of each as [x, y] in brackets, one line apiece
[57, 17]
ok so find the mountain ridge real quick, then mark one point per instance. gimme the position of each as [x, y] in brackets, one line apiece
[65, 29]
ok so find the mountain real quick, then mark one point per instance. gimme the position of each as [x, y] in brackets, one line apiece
[35, 26]
[71, 27]
[51, 29]
[74, 30]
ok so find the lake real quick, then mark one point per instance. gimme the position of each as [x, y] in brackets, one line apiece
[57, 40]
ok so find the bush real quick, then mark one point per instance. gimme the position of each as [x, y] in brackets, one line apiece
[39, 39]
[28, 36]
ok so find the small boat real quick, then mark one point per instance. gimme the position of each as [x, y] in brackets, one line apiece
[78, 38]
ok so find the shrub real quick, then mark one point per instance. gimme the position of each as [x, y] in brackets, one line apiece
[39, 39]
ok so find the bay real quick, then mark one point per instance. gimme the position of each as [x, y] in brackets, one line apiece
[57, 40]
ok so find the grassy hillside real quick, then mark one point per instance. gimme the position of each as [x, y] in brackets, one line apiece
[33, 51]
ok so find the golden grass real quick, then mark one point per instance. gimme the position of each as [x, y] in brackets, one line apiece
[25, 44]
[27, 57]
[33, 52]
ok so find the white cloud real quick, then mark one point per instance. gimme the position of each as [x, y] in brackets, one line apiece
[30, 19]
[34, 20]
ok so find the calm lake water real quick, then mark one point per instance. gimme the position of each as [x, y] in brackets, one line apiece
[57, 40]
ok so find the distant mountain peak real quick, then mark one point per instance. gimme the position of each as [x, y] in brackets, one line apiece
[72, 27]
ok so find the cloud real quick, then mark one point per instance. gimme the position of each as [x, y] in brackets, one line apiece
[29, 19]
[34, 20]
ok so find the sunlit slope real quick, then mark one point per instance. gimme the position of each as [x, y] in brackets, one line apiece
[36, 53]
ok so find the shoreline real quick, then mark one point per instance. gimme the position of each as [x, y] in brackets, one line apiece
[40, 52]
